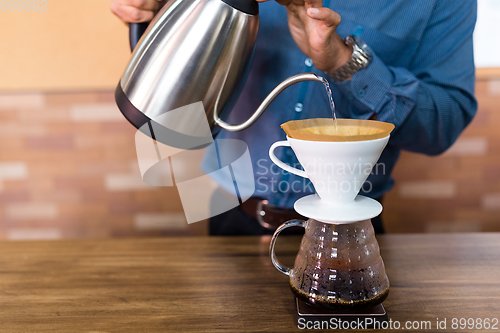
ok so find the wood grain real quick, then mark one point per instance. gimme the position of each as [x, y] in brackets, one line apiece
[225, 284]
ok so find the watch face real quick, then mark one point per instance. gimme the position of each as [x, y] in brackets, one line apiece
[362, 45]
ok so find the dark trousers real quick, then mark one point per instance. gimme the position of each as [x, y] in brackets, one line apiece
[236, 222]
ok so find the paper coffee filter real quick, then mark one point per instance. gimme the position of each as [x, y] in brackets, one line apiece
[323, 129]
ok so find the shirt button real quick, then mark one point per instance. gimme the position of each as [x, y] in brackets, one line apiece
[361, 92]
[351, 96]
[309, 62]
[299, 107]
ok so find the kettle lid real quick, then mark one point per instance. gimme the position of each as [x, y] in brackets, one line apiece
[247, 6]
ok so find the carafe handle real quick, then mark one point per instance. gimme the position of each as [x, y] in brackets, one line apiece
[274, 259]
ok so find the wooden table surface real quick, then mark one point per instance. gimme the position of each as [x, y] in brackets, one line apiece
[226, 284]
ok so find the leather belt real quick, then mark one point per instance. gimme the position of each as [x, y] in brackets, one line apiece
[269, 216]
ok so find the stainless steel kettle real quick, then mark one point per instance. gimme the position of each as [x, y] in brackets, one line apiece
[192, 51]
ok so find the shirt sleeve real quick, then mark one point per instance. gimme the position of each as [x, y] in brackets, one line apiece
[431, 101]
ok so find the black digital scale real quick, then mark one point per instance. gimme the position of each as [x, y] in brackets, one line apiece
[308, 316]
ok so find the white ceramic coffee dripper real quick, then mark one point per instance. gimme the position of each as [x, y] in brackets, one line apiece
[337, 170]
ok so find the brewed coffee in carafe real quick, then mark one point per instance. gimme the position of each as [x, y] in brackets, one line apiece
[339, 267]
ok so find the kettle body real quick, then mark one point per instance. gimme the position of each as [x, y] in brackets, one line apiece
[193, 50]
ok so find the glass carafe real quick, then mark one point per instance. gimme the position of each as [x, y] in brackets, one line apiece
[338, 265]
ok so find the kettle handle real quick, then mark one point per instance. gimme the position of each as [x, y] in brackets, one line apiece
[274, 259]
[136, 30]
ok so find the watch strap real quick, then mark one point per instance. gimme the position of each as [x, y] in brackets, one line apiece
[361, 58]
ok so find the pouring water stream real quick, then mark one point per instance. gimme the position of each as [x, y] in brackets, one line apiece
[332, 104]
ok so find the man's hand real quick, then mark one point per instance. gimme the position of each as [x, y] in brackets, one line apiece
[313, 28]
[134, 11]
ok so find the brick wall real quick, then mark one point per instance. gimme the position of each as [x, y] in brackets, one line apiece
[68, 169]
[458, 191]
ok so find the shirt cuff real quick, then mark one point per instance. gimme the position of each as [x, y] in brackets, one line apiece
[369, 86]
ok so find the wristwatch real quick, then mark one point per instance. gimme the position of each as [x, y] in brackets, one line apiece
[361, 58]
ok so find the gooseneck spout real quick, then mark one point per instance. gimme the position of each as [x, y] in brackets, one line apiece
[263, 106]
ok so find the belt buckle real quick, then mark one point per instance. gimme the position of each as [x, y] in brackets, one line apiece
[261, 213]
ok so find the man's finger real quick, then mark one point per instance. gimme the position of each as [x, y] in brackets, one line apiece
[131, 14]
[328, 16]
[281, 2]
[296, 15]
[152, 5]
[314, 3]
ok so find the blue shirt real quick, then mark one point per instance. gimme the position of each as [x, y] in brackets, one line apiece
[421, 79]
